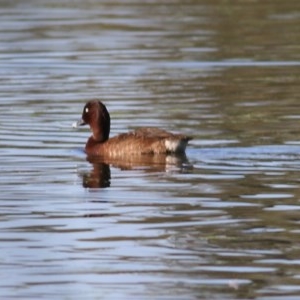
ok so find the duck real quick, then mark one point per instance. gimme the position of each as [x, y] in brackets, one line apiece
[144, 140]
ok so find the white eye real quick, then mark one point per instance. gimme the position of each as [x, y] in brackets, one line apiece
[86, 110]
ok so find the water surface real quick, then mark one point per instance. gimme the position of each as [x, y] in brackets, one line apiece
[220, 223]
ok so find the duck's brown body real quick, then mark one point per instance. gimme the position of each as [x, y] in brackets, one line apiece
[141, 141]
[148, 140]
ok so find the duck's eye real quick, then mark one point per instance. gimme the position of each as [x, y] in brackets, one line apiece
[86, 110]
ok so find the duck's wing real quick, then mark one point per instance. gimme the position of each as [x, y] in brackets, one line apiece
[148, 140]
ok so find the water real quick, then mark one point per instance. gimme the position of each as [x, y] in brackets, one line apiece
[220, 223]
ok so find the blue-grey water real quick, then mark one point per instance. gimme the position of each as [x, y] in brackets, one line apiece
[222, 222]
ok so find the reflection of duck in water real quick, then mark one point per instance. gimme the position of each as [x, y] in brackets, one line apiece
[100, 175]
[146, 140]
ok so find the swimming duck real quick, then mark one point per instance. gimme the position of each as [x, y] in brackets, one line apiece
[145, 140]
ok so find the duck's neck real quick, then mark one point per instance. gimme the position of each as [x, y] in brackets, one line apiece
[101, 131]
[100, 136]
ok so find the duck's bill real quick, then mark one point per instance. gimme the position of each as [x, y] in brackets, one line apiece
[78, 123]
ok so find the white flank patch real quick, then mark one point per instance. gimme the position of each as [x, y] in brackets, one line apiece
[175, 145]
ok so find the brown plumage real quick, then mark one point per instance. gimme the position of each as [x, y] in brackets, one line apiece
[145, 140]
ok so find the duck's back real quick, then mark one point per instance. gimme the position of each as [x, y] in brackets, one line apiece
[141, 141]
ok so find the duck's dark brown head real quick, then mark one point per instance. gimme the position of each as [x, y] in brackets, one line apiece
[96, 115]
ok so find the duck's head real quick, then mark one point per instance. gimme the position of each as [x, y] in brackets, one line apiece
[97, 117]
